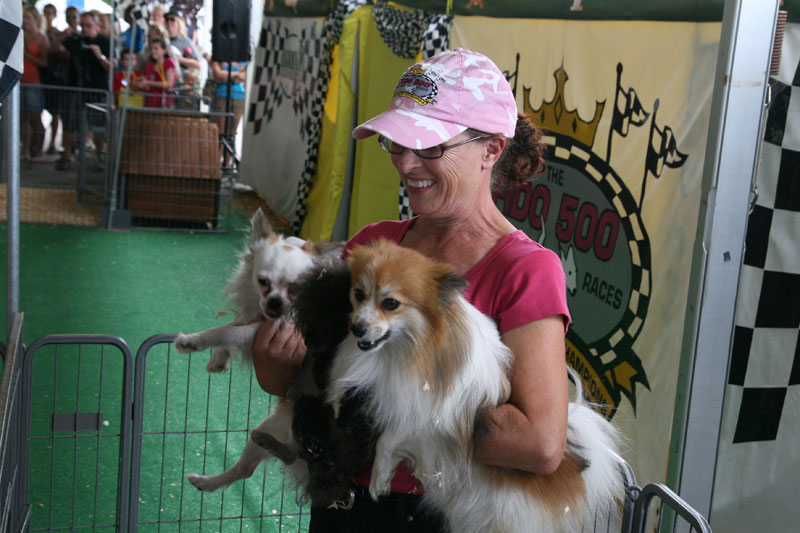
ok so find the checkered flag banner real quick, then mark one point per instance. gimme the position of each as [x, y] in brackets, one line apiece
[138, 13]
[331, 33]
[11, 45]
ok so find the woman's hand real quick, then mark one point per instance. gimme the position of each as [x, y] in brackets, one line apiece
[278, 353]
[530, 431]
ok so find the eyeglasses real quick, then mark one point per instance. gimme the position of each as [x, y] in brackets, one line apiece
[172, 19]
[434, 152]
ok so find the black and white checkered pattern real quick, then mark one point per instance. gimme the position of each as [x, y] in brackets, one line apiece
[138, 13]
[331, 33]
[765, 361]
[267, 95]
[11, 45]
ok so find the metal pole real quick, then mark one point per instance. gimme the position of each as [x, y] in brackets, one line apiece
[734, 136]
[11, 108]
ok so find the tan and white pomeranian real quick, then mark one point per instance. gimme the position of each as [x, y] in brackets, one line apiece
[258, 288]
[436, 368]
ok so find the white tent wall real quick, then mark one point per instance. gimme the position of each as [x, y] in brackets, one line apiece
[759, 460]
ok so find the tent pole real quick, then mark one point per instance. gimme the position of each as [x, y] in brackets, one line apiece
[11, 108]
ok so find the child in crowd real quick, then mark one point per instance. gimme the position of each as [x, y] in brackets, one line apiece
[159, 77]
[120, 85]
[189, 91]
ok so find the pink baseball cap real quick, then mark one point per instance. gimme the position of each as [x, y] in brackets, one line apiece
[440, 97]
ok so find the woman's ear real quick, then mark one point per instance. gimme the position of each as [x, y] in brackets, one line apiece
[494, 147]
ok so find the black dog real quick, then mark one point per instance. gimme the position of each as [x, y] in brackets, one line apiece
[335, 449]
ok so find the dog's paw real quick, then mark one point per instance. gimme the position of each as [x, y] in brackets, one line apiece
[186, 343]
[379, 485]
[203, 483]
[219, 361]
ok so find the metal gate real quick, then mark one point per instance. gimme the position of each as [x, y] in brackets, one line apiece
[102, 455]
[104, 448]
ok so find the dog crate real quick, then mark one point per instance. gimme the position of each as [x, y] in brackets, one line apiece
[170, 167]
[105, 441]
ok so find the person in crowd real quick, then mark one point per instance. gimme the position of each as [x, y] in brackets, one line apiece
[120, 83]
[73, 20]
[449, 152]
[36, 49]
[184, 50]
[189, 91]
[238, 75]
[157, 14]
[104, 24]
[133, 31]
[155, 32]
[89, 69]
[160, 76]
[54, 73]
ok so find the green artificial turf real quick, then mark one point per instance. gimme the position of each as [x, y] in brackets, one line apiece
[134, 285]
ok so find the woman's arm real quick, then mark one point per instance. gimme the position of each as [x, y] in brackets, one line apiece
[171, 76]
[220, 75]
[530, 431]
[278, 353]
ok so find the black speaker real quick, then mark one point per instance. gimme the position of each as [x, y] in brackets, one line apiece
[230, 33]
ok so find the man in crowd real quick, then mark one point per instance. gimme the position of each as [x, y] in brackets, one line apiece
[88, 69]
[138, 33]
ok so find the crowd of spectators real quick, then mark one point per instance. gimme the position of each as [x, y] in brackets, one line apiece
[158, 67]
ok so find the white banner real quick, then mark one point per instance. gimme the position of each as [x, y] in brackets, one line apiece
[277, 131]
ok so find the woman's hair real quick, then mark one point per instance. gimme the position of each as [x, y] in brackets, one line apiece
[159, 28]
[35, 14]
[523, 157]
[158, 8]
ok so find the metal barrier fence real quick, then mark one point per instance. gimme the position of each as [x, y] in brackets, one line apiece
[64, 171]
[14, 511]
[99, 453]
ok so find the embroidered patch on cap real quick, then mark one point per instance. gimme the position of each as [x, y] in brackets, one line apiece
[418, 86]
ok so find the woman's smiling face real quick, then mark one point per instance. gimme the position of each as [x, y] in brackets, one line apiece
[445, 186]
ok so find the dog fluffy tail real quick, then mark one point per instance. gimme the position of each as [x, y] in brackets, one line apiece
[597, 441]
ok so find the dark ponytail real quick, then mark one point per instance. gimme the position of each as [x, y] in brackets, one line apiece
[523, 157]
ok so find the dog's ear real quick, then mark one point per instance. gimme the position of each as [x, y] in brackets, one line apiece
[260, 228]
[450, 282]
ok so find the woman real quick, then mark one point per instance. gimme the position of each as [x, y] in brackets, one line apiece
[186, 54]
[157, 14]
[35, 56]
[453, 132]
[238, 76]
[159, 76]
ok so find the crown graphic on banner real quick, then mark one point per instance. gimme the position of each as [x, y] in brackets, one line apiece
[554, 116]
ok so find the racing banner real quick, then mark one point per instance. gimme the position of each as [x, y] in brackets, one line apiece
[625, 108]
[279, 133]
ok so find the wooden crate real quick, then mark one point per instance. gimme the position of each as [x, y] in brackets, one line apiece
[173, 199]
[171, 166]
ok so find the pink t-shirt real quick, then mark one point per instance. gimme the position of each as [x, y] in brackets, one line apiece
[517, 282]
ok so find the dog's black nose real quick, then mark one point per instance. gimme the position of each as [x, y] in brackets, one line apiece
[274, 304]
[358, 329]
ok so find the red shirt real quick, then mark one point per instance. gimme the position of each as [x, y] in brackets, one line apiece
[154, 72]
[517, 282]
